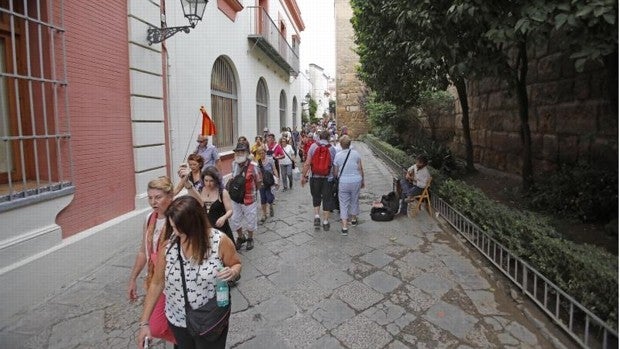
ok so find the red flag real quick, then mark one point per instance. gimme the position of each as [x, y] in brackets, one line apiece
[208, 127]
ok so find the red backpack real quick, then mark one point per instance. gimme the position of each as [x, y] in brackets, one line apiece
[321, 162]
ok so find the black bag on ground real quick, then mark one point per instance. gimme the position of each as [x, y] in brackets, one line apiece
[381, 214]
[236, 186]
[391, 202]
[388, 211]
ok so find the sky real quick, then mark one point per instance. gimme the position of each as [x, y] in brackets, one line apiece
[318, 41]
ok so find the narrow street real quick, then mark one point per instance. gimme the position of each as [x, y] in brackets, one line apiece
[400, 284]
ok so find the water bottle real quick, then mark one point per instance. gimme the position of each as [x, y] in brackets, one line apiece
[221, 292]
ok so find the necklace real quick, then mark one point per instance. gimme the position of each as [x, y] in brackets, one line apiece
[208, 199]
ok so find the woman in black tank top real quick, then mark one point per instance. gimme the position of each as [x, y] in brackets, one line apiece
[216, 210]
[215, 200]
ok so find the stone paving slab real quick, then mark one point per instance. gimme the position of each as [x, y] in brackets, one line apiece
[399, 284]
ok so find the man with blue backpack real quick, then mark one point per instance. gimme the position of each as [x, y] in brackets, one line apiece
[319, 162]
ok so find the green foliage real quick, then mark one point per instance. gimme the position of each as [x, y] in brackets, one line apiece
[582, 191]
[312, 107]
[399, 157]
[386, 61]
[439, 156]
[435, 104]
[379, 113]
[587, 273]
[386, 120]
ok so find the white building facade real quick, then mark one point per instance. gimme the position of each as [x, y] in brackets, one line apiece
[242, 65]
[320, 89]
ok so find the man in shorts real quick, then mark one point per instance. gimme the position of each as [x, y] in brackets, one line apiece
[320, 185]
[245, 214]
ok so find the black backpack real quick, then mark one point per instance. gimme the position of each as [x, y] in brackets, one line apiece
[381, 214]
[236, 186]
[390, 207]
[391, 202]
[268, 179]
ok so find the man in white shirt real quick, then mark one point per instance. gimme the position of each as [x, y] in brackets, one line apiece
[416, 179]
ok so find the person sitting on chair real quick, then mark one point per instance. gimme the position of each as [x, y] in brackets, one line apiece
[416, 179]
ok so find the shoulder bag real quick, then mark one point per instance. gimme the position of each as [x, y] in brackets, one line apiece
[292, 161]
[208, 321]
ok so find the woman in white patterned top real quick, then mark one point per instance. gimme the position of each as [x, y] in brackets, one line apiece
[203, 250]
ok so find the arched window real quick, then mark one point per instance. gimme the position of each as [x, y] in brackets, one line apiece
[224, 103]
[282, 109]
[262, 106]
[294, 111]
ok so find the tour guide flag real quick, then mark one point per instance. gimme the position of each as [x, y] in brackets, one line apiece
[208, 127]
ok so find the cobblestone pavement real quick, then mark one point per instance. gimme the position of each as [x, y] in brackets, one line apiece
[400, 284]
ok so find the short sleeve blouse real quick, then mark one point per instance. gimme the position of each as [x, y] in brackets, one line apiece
[199, 278]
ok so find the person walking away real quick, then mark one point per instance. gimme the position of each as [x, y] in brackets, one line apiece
[295, 137]
[350, 172]
[307, 143]
[319, 163]
[268, 170]
[160, 194]
[416, 179]
[210, 154]
[191, 172]
[286, 165]
[242, 186]
[194, 258]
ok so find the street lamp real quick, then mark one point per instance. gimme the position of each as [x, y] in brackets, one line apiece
[193, 10]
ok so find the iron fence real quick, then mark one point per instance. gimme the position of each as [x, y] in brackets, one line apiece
[587, 329]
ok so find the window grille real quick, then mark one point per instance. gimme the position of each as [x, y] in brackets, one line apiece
[35, 150]
[262, 106]
[224, 103]
[282, 109]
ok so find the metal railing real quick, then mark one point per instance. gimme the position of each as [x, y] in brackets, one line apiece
[263, 27]
[587, 329]
[35, 138]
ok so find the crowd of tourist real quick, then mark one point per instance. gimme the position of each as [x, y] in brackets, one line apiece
[188, 243]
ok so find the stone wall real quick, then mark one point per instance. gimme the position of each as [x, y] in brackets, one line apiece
[571, 117]
[350, 90]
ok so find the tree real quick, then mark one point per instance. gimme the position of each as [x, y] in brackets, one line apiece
[514, 26]
[438, 46]
[312, 107]
[417, 48]
[385, 64]
[435, 104]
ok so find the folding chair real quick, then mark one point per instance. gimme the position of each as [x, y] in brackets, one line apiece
[418, 199]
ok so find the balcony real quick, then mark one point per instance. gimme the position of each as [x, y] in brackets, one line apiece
[266, 35]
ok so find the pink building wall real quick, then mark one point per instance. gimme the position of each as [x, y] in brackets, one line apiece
[99, 107]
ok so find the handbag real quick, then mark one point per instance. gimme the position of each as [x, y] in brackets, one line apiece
[208, 321]
[293, 161]
[296, 174]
